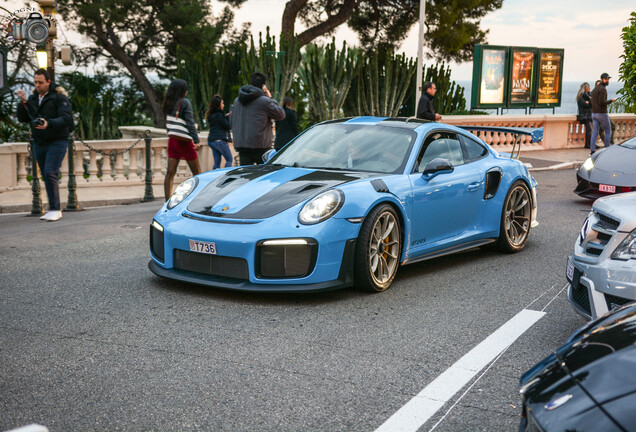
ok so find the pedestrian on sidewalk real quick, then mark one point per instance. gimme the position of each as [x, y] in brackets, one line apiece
[425, 108]
[287, 128]
[183, 139]
[251, 120]
[220, 134]
[601, 131]
[584, 102]
[48, 111]
[600, 117]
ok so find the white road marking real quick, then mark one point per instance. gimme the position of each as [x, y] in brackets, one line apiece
[425, 404]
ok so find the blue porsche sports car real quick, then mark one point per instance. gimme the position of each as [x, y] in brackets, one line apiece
[345, 204]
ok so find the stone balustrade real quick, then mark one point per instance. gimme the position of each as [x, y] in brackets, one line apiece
[117, 166]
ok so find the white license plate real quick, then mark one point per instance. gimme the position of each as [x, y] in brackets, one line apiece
[203, 247]
[569, 273]
[607, 188]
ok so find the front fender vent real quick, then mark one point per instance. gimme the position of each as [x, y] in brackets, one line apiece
[380, 186]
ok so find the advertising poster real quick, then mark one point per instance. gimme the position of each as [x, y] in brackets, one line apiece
[493, 69]
[522, 77]
[549, 78]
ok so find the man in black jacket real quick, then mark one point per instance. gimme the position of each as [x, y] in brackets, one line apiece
[48, 110]
[425, 108]
[600, 117]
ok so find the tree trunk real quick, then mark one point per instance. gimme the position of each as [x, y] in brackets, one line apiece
[110, 42]
[292, 9]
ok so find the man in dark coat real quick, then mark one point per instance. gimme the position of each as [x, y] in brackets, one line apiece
[286, 129]
[48, 110]
[251, 119]
[425, 108]
[600, 117]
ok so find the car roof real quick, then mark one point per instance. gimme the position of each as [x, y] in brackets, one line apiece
[414, 123]
[410, 123]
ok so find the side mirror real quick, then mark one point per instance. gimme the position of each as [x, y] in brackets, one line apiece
[268, 154]
[437, 166]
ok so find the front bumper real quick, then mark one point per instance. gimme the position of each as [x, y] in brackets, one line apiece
[239, 262]
[597, 288]
[590, 190]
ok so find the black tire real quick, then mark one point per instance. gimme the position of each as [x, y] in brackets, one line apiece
[378, 250]
[516, 218]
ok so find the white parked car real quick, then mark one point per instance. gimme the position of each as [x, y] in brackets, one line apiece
[602, 269]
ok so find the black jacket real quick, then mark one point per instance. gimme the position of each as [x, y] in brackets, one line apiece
[219, 126]
[55, 108]
[251, 119]
[425, 108]
[187, 113]
[286, 129]
[599, 99]
[585, 107]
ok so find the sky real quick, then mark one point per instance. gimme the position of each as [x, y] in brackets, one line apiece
[588, 30]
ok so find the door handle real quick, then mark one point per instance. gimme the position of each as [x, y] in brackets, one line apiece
[474, 186]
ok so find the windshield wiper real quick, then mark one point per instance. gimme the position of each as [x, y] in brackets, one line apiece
[333, 168]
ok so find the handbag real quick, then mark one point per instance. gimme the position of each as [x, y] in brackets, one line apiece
[583, 118]
[176, 127]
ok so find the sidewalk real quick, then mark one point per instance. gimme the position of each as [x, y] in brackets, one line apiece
[21, 200]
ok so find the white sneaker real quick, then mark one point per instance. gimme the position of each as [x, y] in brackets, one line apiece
[55, 216]
[45, 216]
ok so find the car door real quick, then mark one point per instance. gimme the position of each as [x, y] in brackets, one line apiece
[447, 205]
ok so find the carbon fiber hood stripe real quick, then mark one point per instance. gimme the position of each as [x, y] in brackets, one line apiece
[284, 187]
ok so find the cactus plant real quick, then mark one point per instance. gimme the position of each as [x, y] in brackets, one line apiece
[267, 59]
[381, 85]
[326, 74]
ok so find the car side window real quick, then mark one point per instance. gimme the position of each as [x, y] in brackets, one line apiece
[441, 145]
[473, 150]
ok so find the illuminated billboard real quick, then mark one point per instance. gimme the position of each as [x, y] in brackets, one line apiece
[522, 76]
[489, 76]
[550, 75]
[516, 77]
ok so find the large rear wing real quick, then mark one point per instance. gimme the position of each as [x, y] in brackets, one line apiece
[535, 134]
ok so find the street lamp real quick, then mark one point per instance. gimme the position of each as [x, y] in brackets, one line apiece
[42, 56]
[420, 53]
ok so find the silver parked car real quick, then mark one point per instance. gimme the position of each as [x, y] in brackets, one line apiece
[602, 269]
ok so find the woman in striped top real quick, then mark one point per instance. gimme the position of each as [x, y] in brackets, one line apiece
[186, 144]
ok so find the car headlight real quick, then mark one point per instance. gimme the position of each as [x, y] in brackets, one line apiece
[321, 207]
[182, 192]
[589, 164]
[627, 249]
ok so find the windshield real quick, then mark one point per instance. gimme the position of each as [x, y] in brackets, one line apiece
[350, 147]
[630, 144]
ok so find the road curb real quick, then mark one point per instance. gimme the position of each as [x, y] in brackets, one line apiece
[559, 166]
[21, 208]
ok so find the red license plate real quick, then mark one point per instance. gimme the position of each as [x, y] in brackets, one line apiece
[607, 188]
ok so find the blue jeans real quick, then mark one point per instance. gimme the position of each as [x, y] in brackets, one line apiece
[50, 159]
[221, 148]
[601, 120]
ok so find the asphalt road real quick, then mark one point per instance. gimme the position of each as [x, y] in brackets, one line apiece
[91, 340]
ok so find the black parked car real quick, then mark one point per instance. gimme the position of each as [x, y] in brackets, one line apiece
[589, 384]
